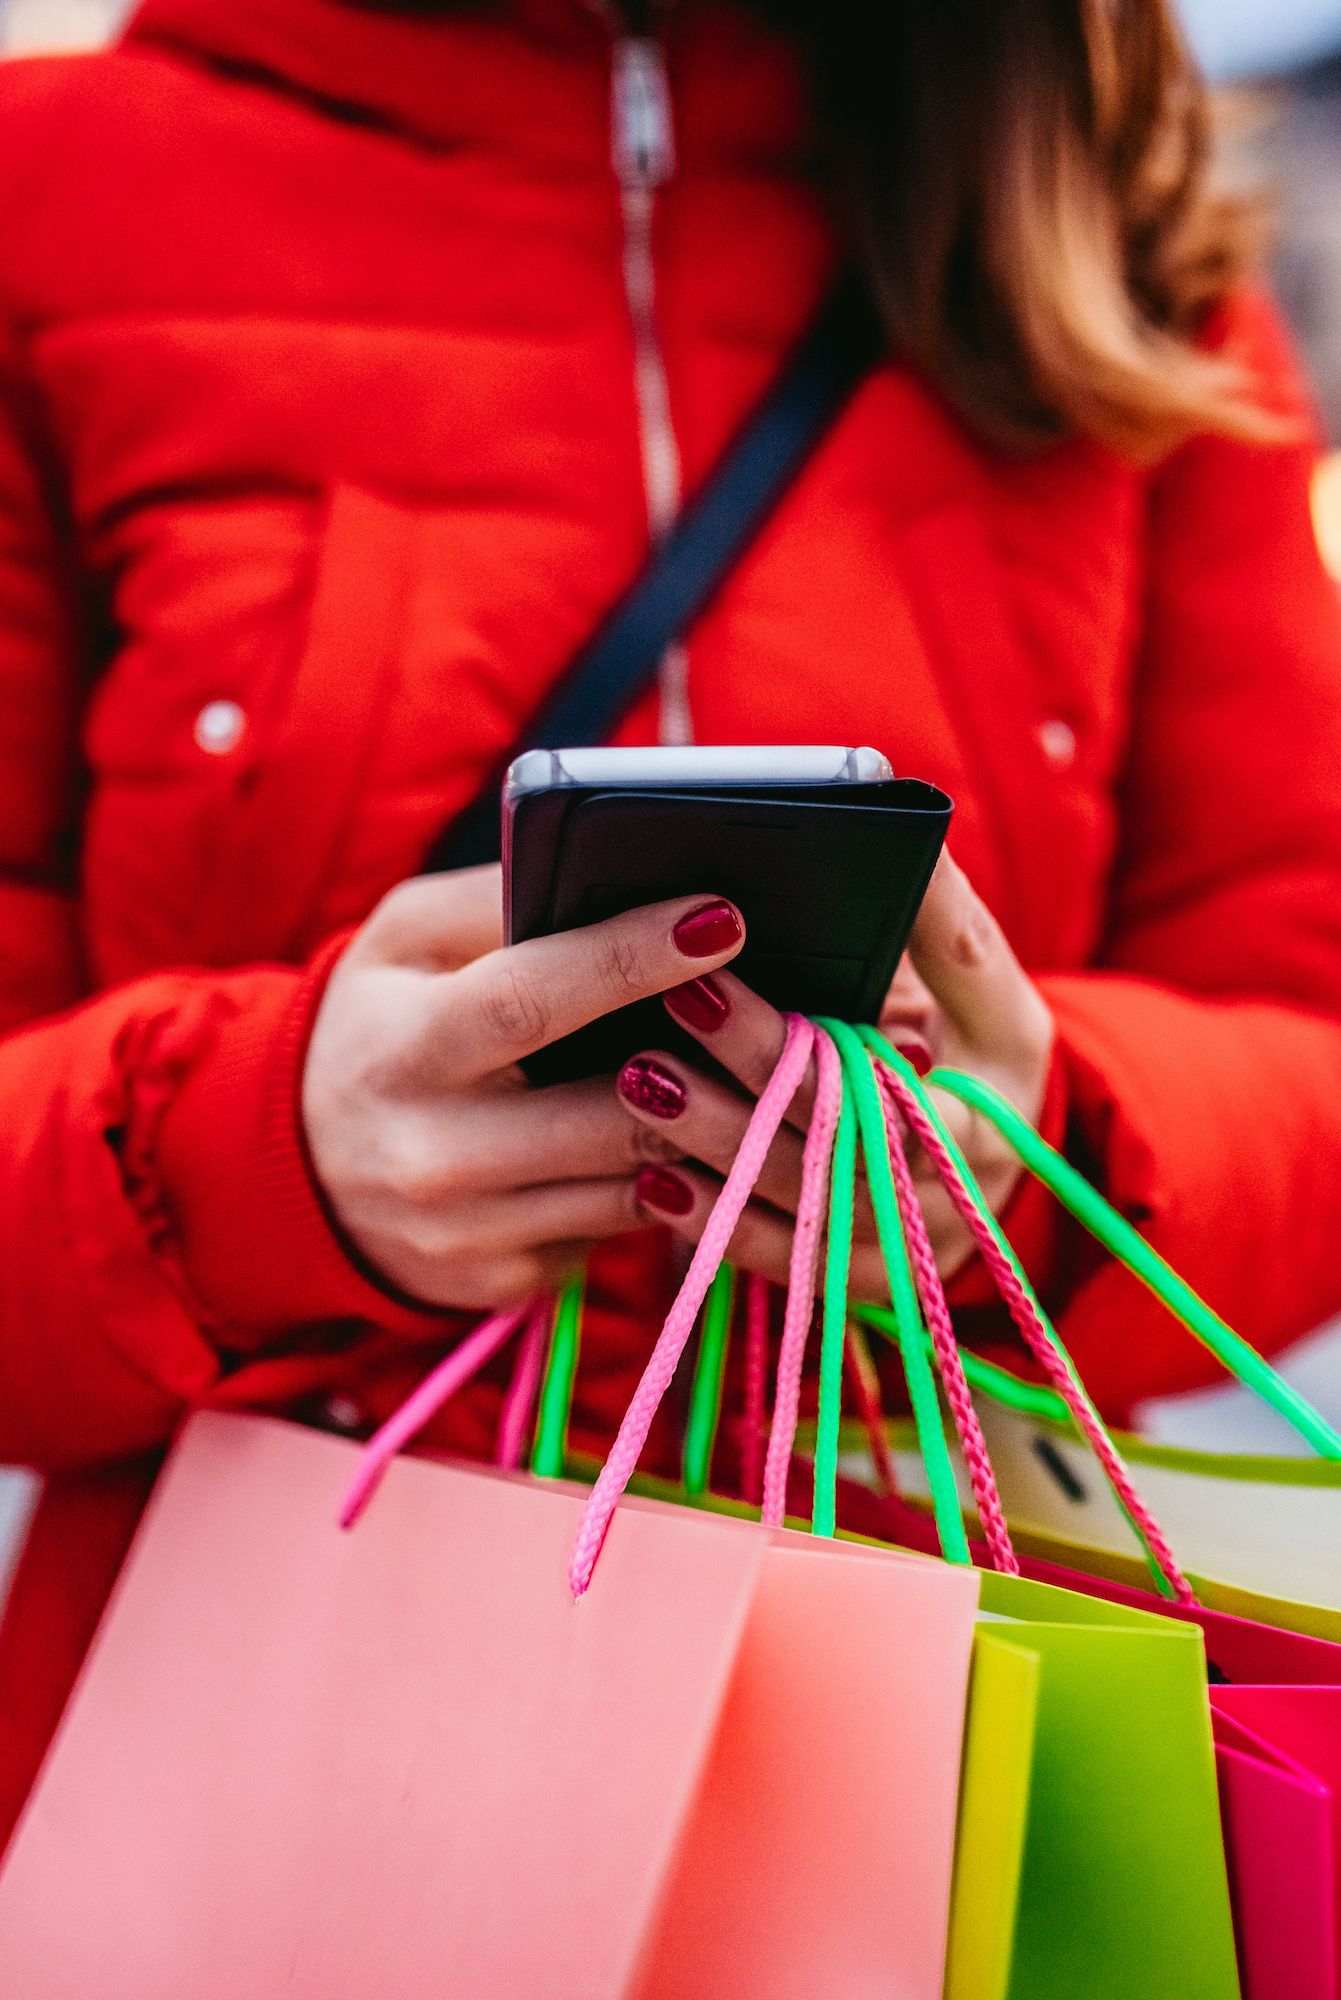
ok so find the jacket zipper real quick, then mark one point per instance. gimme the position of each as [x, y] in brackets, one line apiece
[642, 135]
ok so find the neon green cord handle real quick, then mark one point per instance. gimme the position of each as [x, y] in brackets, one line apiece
[705, 1399]
[549, 1454]
[872, 1039]
[833, 1323]
[1030, 1399]
[859, 1078]
[1131, 1250]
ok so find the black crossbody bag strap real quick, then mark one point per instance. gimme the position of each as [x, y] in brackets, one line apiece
[680, 577]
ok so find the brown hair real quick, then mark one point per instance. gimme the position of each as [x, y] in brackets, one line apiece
[1029, 182]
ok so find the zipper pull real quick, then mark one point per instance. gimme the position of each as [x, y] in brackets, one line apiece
[642, 124]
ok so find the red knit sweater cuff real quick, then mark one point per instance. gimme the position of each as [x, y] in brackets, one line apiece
[255, 1244]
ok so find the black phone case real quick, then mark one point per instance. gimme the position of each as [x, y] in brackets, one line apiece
[828, 877]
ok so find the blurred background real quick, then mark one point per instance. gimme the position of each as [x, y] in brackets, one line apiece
[1279, 62]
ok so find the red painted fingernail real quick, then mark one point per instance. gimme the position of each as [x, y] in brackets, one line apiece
[917, 1054]
[700, 1003]
[648, 1087]
[711, 928]
[657, 1187]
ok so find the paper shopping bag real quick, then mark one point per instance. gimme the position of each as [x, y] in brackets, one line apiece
[761, 1900]
[404, 1762]
[1122, 1890]
[993, 1814]
[1238, 1649]
[1284, 1833]
[1276, 1711]
[1280, 1847]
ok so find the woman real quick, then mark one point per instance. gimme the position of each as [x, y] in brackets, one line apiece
[344, 376]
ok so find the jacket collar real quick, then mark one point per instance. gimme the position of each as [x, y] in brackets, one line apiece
[486, 72]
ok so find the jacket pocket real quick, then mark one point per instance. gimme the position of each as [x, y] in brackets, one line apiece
[295, 793]
[230, 738]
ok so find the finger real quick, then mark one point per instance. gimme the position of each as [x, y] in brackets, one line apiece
[505, 1006]
[951, 1243]
[741, 1032]
[450, 1248]
[492, 1141]
[703, 1119]
[909, 1007]
[707, 1120]
[490, 1284]
[682, 1197]
[993, 1163]
[960, 951]
[438, 922]
[557, 1212]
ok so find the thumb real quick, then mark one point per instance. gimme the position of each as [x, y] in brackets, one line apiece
[960, 951]
[438, 922]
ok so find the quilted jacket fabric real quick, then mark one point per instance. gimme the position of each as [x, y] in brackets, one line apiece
[319, 456]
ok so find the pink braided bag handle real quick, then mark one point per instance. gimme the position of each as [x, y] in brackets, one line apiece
[934, 1304]
[1025, 1315]
[519, 1404]
[712, 1246]
[866, 1394]
[451, 1374]
[754, 1414]
[800, 1311]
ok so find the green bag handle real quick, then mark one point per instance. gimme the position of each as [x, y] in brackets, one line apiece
[705, 1397]
[833, 1317]
[1030, 1399]
[861, 1121]
[1159, 1557]
[859, 1081]
[549, 1453]
[1131, 1250]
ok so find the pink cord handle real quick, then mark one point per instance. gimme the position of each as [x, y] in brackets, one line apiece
[866, 1391]
[1025, 1315]
[615, 1474]
[514, 1419]
[800, 1311]
[753, 1418]
[451, 1374]
[934, 1304]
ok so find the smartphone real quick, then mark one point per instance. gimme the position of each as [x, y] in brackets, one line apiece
[825, 852]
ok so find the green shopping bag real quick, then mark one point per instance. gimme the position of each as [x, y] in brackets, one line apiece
[1089, 1858]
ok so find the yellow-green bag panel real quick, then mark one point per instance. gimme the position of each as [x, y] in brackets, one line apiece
[993, 1815]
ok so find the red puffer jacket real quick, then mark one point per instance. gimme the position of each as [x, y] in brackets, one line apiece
[320, 455]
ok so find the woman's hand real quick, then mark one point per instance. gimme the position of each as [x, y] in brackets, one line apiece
[961, 998]
[456, 1182]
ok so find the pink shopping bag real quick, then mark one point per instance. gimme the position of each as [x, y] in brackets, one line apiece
[1279, 1847]
[404, 1762]
[1295, 1731]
